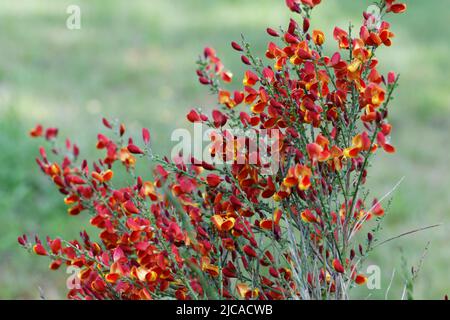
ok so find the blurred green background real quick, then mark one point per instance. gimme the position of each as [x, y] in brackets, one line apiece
[134, 60]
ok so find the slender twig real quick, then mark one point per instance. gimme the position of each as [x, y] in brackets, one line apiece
[407, 233]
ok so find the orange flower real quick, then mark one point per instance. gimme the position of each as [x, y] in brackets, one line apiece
[277, 216]
[308, 217]
[342, 37]
[211, 269]
[274, 52]
[148, 189]
[354, 66]
[260, 106]
[223, 224]
[103, 177]
[250, 79]
[318, 37]
[336, 155]
[303, 174]
[318, 151]
[245, 291]
[225, 98]
[360, 142]
[374, 94]
[298, 176]
[302, 52]
[370, 114]
[126, 157]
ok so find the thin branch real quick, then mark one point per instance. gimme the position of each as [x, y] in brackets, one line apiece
[408, 233]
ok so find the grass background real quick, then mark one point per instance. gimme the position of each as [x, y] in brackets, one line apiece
[134, 60]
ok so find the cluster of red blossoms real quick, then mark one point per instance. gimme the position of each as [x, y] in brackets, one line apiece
[202, 231]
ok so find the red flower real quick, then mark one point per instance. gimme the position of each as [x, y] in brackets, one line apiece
[272, 32]
[219, 118]
[268, 74]
[213, 180]
[311, 3]
[193, 116]
[341, 37]
[307, 216]
[51, 133]
[236, 46]
[146, 135]
[250, 251]
[293, 5]
[134, 149]
[338, 266]
[360, 279]
[395, 7]
[381, 139]
[250, 79]
[55, 245]
[39, 249]
[37, 131]
[130, 207]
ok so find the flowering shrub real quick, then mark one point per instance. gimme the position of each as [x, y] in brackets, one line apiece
[200, 230]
